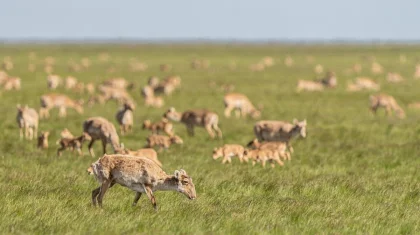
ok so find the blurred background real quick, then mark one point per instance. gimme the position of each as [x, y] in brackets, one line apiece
[217, 20]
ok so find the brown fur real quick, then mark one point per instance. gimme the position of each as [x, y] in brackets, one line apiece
[43, 140]
[163, 141]
[140, 174]
[191, 118]
[388, 103]
[228, 151]
[62, 102]
[101, 129]
[162, 126]
[241, 103]
[73, 143]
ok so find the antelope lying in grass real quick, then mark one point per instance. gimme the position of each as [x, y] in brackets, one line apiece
[228, 151]
[163, 126]
[388, 103]
[119, 95]
[125, 118]
[394, 77]
[163, 141]
[241, 104]
[118, 83]
[149, 153]
[263, 155]
[62, 102]
[191, 118]
[101, 129]
[139, 174]
[280, 131]
[73, 143]
[27, 118]
[43, 140]
[307, 85]
[363, 83]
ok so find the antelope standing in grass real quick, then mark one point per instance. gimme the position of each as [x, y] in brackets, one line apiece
[241, 104]
[27, 118]
[280, 131]
[228, 151]
[101, 129]
[62, 102]
[118, 83]
[70, 82]
[263, 155]
[191, 118]
[388, 103]
[163, 126]
[125, 118]
[139, 174]
[279, 147]
[150, 100]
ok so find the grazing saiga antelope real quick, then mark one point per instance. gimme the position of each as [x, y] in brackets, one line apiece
[203, 118]
[394, 77]
[120, 95]
[70, 82]
[101, 129]
[143, 152]
[27, 118]
[139, 174]
[163, 141]
[280, 131]
[241, 104]
[388, 103]
[73, 143]
[125, 118]
[307, 85]
[163, 126]
[43, 140]
[62, 102]
[118, 83]
[228, 151]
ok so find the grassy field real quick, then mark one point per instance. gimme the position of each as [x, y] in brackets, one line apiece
[353, 174]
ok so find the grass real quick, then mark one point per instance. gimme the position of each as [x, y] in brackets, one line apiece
[353, 174]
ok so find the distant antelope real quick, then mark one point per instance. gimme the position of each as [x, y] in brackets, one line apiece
[330, 80]
[242, 104]
[12, 83]
[150, 100]
[278, 147]
[268, 61]
[153, 81]
[53, 81]
[149, 153]
[90, 88]
[73, 143]
[139, 174]
[163, 141]
[376, 68]
[268, 130]
[101, 129]
[394, 77]
[363, 83]
[263, 155]
[118, 94]
[257, 67]
[165, 67]
[43, 140]
[191, 118]
[307, 85]
[388, 102]
[62, 102]
[288, 61]
[125, 118]
[118, 83]
[27, 118]
[318, 69]
[228, 151]
[163, 126]
[70, 82]
[417, 72]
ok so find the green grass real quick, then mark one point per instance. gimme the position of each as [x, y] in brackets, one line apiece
[353, 174]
